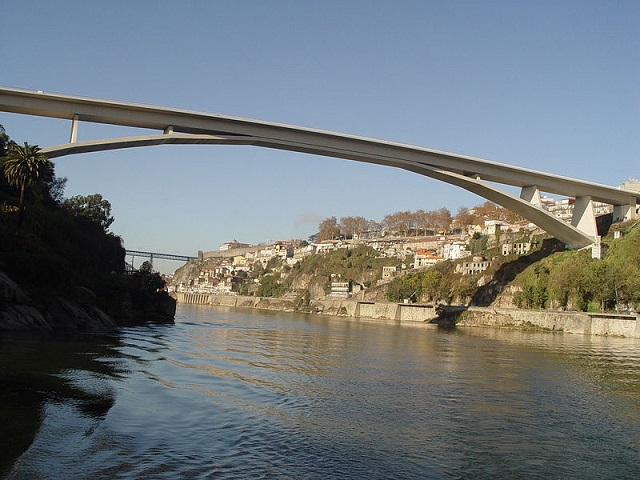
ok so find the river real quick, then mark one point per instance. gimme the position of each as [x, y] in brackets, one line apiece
[235, 394]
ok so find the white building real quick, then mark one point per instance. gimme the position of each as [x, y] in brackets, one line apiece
[455, 250]
[517, 248]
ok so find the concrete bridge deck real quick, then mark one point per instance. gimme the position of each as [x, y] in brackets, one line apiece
[189, 127]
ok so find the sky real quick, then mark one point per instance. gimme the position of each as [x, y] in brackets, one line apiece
[547, 85]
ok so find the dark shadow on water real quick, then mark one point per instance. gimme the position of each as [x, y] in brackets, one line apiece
[32, 372]
[448, 316]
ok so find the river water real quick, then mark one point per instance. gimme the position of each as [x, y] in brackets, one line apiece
[234, 394]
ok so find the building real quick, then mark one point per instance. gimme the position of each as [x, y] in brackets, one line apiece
[232, 245]
[340, 288]
[477, 265]
[517, 248]
[425, 258]
[455, 250]
[389, 272]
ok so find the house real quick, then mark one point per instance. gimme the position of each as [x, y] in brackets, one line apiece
[517, 248]
[340, 288]
[282, 250]
[389, 272]
[477, 265]
[232, 245]
[425, 258]
[455, 250]
[303, 251]
[239, 261]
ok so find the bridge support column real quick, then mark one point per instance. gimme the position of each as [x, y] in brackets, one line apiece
[74, 129]
[622, 213]
[584, 218]
[531, 194]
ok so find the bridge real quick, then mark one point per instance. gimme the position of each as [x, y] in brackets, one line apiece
[161, 256]
[473, 174]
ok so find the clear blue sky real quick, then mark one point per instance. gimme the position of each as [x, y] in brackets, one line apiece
[549, 85]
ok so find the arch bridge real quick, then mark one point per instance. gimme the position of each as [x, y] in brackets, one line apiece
[473, 174]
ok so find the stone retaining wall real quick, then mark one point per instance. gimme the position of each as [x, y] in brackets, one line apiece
[569, 322]
[329, 306]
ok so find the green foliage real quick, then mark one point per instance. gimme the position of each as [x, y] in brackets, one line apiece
[572, 280]
[463, 287]
[146, 267]
[53, 249]
[432, 282]
[438, 283]
[5, 142]
[478, 243]
[350, 264]
[270, 286]
[23, 167]
[92, 207]
[408, 287]
[534, 293]
[273, 264]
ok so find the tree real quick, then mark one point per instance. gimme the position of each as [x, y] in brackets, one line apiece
[328, 229]
[478, 243]
[349, 226]
[432, 284]
[146, 267]
[443, 219]
[398, 222]
[23, 167]
[93, 207]
[464, 218]
[5, 142]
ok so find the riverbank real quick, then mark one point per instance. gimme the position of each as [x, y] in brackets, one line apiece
[568, 322]
[82, 310]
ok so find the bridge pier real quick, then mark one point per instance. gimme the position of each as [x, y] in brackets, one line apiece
[73, 137]
[531, 194]
[584, 217]
[623, 213]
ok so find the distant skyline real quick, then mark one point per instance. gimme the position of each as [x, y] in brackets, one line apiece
[547, 85]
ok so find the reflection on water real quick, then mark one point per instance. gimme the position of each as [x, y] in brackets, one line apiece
[230, 394]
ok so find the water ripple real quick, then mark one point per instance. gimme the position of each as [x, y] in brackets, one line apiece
[232, 395]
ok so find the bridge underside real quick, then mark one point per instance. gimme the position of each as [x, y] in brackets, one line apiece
[472, 174]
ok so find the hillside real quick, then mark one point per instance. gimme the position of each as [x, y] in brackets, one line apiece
[547, 277]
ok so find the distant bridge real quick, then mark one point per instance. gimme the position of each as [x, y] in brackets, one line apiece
[472, 174]
[162, 256]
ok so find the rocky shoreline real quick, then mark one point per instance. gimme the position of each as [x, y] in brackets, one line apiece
[79, 313]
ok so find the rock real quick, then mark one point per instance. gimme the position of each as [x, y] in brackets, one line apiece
[85, 297]
[80, 313]
[11, 292]
[63, 314]
[21, 317]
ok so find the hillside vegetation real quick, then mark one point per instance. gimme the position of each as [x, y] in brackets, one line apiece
[573, 280]
[55, 251]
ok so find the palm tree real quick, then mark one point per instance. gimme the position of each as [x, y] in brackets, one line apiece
[23, 167]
